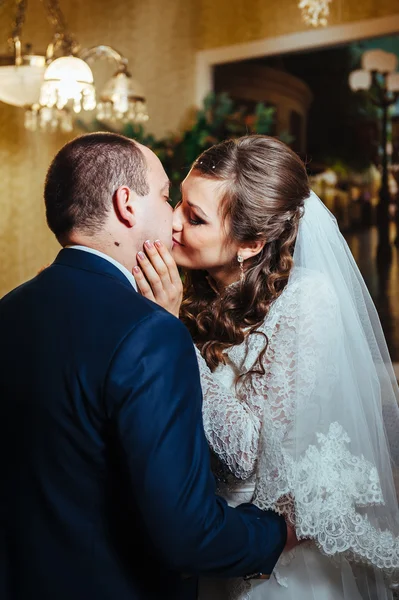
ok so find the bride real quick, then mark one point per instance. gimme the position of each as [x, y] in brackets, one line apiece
[300, 400]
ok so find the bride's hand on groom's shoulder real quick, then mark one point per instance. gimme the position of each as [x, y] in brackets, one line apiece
[158, 278]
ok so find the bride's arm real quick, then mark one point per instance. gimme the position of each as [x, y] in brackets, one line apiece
[234, 424]
[231, 427]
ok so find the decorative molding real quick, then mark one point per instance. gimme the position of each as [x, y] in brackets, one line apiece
[303, 40]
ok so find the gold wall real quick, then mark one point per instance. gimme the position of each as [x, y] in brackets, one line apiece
[160, 38]
[160, 45]
[227, 22]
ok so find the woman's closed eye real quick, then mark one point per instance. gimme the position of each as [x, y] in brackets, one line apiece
[191, 217]
[195, 220]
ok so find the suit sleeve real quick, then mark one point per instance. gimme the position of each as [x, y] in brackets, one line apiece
[153, 396]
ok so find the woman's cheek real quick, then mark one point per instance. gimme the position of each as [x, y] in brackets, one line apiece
[197, 240]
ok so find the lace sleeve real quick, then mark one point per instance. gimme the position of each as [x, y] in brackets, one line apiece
[231, 427]
[308, 468]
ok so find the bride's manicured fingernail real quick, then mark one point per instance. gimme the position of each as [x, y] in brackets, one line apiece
[148, 244]
[158, 243]
[136, 270]
[141, 255]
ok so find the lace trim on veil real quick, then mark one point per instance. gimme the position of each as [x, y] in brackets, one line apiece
[329, 484]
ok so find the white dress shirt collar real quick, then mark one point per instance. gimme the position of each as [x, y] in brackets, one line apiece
[117, 264]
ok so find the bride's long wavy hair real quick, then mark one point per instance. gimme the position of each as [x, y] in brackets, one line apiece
[264, 188]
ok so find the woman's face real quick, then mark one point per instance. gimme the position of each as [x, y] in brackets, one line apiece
[200, 239]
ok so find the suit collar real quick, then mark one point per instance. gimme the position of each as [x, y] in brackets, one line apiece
[117, 264]
[78, 259]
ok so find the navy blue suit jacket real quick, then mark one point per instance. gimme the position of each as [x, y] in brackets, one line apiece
[107, 492]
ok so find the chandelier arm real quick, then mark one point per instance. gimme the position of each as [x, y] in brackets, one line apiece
[62, 37]
[58, 42]
[15, 36]
[103, 51]
[19, 19]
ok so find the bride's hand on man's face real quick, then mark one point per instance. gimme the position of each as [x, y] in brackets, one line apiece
[158, 278]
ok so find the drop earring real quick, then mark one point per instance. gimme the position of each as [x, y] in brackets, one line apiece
[241, 262]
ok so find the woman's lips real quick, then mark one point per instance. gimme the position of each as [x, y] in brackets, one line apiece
[175, 242]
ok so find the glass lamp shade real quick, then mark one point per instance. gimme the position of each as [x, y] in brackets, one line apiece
[68, 79]
[393, 82]
[20, 86]
[122, 99]
[380, 61]
[359, 80]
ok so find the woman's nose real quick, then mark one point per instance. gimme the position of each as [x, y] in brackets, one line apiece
[177, 222]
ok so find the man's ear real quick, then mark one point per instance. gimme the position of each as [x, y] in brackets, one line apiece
[123, 205]
[251, 249]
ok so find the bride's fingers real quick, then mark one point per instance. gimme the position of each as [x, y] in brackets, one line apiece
[157, 262]
[169, 262]
[156, 283]
[142, 284]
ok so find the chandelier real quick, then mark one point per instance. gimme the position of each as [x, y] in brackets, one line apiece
[315, 12]
[122, 98]
[54, 86]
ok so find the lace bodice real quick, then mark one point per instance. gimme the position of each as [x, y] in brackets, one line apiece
[314, 480]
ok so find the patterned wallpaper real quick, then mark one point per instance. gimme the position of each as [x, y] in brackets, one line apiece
[160, 38]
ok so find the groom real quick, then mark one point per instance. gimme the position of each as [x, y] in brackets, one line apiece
[107, 492]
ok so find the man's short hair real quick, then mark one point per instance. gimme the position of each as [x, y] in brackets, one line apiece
[83, 178]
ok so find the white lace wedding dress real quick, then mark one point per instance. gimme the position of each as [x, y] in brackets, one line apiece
[250, 429]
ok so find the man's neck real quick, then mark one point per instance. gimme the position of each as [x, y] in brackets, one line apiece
[111, 248]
